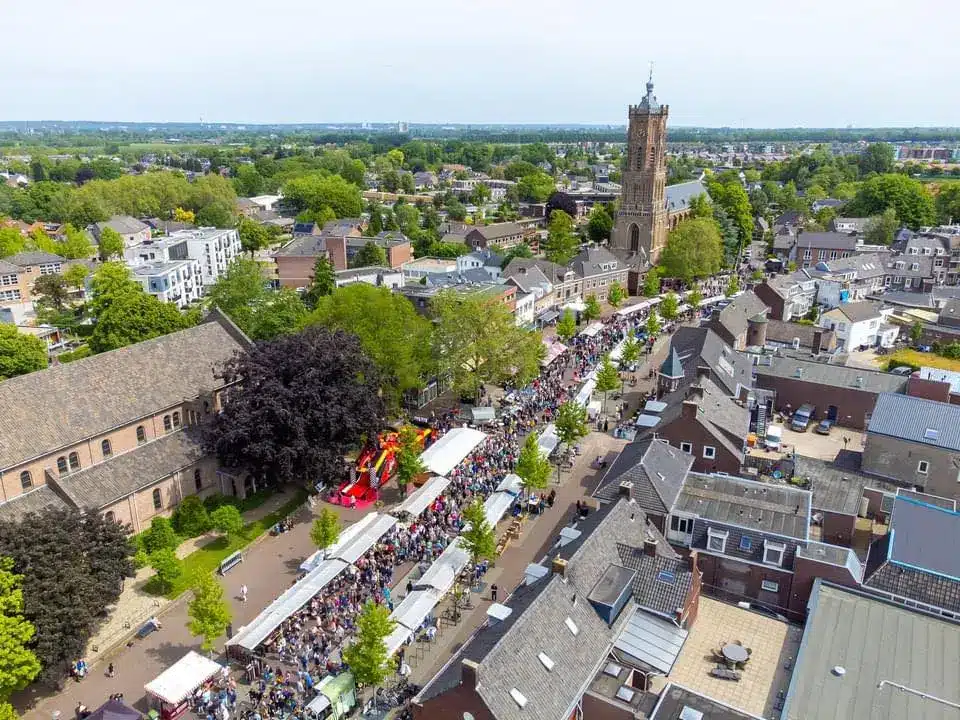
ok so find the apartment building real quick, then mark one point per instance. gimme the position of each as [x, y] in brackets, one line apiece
[215, 248]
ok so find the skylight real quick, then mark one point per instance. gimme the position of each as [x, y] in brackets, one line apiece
[612, 669]
[545, 661]
[625, 693]
[571, 626]
[931, 434]
[665, 576]
[518, 697]
[746, 544]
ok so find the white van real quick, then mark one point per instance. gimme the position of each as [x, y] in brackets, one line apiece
[774, 437]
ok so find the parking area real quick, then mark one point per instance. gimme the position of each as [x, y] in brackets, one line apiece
[823, 447]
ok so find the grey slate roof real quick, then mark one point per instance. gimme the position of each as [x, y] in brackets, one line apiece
[925, 536]
[781, 331]
[734, 316]
[650, 590]
[656, 470]
[917, 420]
[862, 311]
[123, 224]
[679, 196]
[674, 698]
[8, 268]
[33, 257]
[873, 641]
[66, 404]
[837, 486]
[304, 246]
[498, 230]
[827, 241]
[35, 500]
[698, 346]
[588, 262]
[832, 375]
[109, 481]
[779, 509]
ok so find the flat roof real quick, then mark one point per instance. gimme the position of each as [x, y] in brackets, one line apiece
[615, 580]
[863, 658]
[838, 485]
[675, 699]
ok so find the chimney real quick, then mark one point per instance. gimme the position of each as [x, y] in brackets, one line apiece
[817, 341]
[703, 372]
[626, 489]
[696, 392]
[678, 616]
[650, 547]
[468, 673]
[559, 567]
[690, 408]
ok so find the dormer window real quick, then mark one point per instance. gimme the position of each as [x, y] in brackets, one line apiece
[773, 553]
[717, 540]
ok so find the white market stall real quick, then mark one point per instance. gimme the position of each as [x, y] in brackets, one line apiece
[397, 638]
[576, 305]
[512, 483]
[450, 450]
[496, 506]
[376, 528]
[592, 330]
[415, 608]
[443, 572]
[633, 309]
[586, 392]
[548, 440]
[171, 690]
[553, 350]
[713, 300]
[420, 499]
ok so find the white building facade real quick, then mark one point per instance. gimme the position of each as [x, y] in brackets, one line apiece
[179, 281]
[215, 248]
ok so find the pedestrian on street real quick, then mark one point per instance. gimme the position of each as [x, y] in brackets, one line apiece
[243, 593]
[493, 592]
[110, 670]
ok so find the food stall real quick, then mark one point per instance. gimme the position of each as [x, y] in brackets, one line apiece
[170, 691]
[336, 697]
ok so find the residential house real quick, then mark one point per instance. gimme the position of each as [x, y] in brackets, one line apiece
[525, 309]
[19, 273]
[910, 273]
[396, 245]
[814, 247]
[859, 324]
[529, 279]
[500, 235]
[914, 441]
[424, 180]
[117, 432]
[567, 284]
[846, 395]
[599, 268]
[214, 248]
[808, 338]
[850, 279]
[295, 260]
[131, 230]
[699, 349]
[849, 225]
[731, 322]
[378, 276]
[426, 266]
[818, 205]
[487, 260]
[789, 297]
[422, 295]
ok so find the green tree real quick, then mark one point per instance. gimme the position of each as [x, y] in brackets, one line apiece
[908, 197]
[562, 243]
[733, 286]
[53, 291]
[607, 379]
[248, 181]
[227, 520]
[651, 283]
[881, 229]
[728, 192]
[693, 250]
[877, 158]
[532, 467]
[134, 318]
[947, 203]
[367, 654]
[219, 214]
[695, 297]
[11, 242]
[312, 192]
[653, 323]
[669, 306]
[522, 250]
[477, 536]
[323, 284]
[566, 325]
[239, 292]
[75, 245]
[616, 294]
[111, 244]
[253, 236]
[701, 206]
[571, 424]
[167, 566]
[18, 665]
[76, 276]
[916, 332]
[209, 611]
[600, 225]
[536, 187]
[630, 354]
[456, 210]
[159, 536]
[191, 518]
[370, 255]
[20, 353]
[409, 464]
[280, 312]
[326, 529]
[592, 309]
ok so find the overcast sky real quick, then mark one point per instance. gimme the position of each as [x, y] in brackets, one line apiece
[752, 63]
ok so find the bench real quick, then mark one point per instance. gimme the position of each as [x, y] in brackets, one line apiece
[230, 562]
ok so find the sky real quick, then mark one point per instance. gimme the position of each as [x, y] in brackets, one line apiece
[738, 63]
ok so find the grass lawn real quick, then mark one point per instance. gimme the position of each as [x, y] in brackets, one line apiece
[918, 359]
[209, 557]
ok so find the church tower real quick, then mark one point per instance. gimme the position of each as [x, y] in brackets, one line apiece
[641, 226]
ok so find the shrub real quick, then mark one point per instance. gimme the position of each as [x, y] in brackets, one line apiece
[140, 559]
[191, 518]
[160, 536]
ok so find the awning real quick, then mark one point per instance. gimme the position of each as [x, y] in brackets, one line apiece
[575, 305]
[511, 484]
[713, 300]
[553, 351]
[311, 562]
[548, 316]
[177, 682]
[397, 638]
[632, 309]
[363, 541]
[320, 703]
[647, 421]
[450, 450]
[651, 641]
[483, 414]
[415, 608]
[420, 499]
[534, 572]
[443, 572]
[654, 406]
[548, 440]
[496, 506]
[592, 330]
[586, 392]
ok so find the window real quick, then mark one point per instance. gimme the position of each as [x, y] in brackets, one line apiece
[62, 465]
[26, 481]
[914, 266]
[770, 585]
[141, 434]
[8, 279]
[717, 540]
[157, 500]
[709, 452]
[773, 552]
[167, 424]
[686, 447]
[681, 524]
[931, 434]
[746, 544]
[518, 697]
[546, 661]
[9, 294]
[176, 419]
[105, 448]
[571, 626]
[923, 467]
[74, 461]
[198, 479]
[666, 577]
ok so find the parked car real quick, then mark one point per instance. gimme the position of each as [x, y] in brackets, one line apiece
[902, 370]
[823, 427]
[802, 418]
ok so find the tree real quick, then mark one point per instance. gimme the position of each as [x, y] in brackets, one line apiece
[908, 197]
[669, 306]
[253, 236]
[209, 611]
[701, 206]
[239, 292]
[456, 210]
[20, 353]
[159, 536]
[536, 187]
[76, 276]
[409, 464]
[592, 309]
[653, 323]
[916, 332]
[312, 192]
[651, 283]
[616, 294]
[75, 245]
[111, 282]
[477, 341]
[695, 297]
[477, 536]
[167, 566]
[733, 286]
[728, 235]
[693, 250]
[134, 318]
[521, 250]
[11, 242]
[759, 202]
[566, 325]
[532, 467]
[395, 336]
[191, 517]
[607, 379]
[295, 405]
[562, 243]
[728, 192]
[184, 216]
[881, 229]
[326, 529]
[72, 567]
[279, 312]
[323, 284]
[219, 214]
[18, 665]
[227, 520]
[948, 203]
[111, 244]
[600, 225]
[367, 655]
[370, 255]
[53, 290]
[877, 158]
[571, 424]
[630, 353]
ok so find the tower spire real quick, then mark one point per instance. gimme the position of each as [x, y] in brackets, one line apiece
[650, 83]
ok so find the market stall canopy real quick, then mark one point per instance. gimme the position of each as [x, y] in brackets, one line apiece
[482, 414]
[713, 300]
[512, 483]
[647, 421]
[114, 710]
[397, 638]
[450, 450]
[177, 682]
[575, 305]
[632, 309]
[548, 440]
[420, 499]
[592, 330]
[441, 575]
[548, 316]
[586, 392]
[415, 608]
[366, 539]
[654, 406]
[496, 507]
[553, 351]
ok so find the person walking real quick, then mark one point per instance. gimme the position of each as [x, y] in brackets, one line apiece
[110, 670]
[243, 593]
[493, 592]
